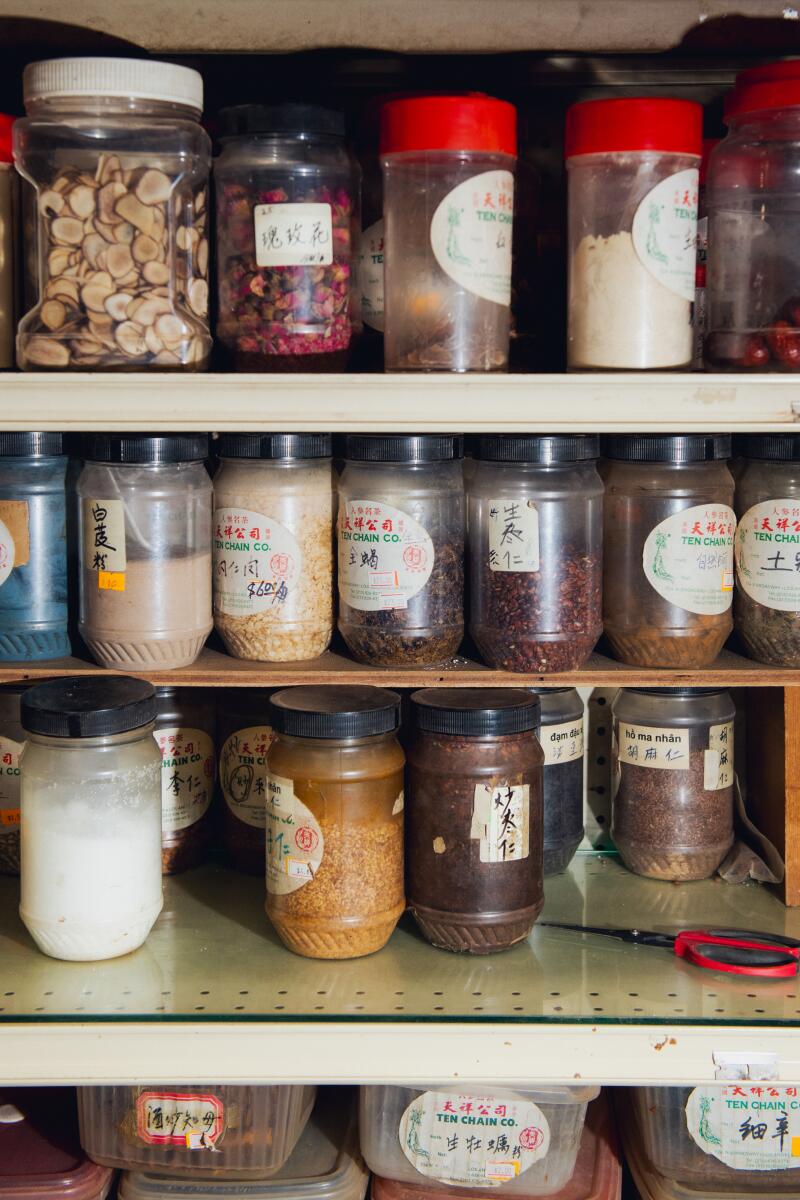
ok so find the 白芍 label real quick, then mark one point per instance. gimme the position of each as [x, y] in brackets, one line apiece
[513, 535]
[471, 233]
[500, 821]
[187, 776]
[293, 235]
[665, 232]
[768, 554]
[385, 556]
[688, 558]
[295, 844]
[257, 562]
[563, 742]
[243, 773]
[188, 1119]
[659, 747]
[748, 1126]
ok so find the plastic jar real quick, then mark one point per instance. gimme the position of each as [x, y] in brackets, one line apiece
[400, 533]
[448, 178]
[119, 162]
[9, 241]
[244, 735]
[335, 820]
[40, 1155]
[33, 547]
[287, 231]
[145, 549]
[12, 740]
[561, 736]
[91, 817]
[535, 518]
[700, 314]
[474, 819]
[185, 724]
[633, 173]
[673, 780]
[668, 548]
[273, 545]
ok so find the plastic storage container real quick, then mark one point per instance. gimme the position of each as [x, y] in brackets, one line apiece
[9, 242]
[185, 728]
[273, 545]
[206, 1132]
[119, 163]
[561, 736]
[474, 817]
[244, 735]
[633, 174]
[12, 738]
[668, 548]
[40, 1155]
[145, 547]
[700, 314]
[287, 227]
[335, 820]
[524, 1140]
[535, 518]
[674, 780]
[91, 817]
[448, 188]
[401, 549]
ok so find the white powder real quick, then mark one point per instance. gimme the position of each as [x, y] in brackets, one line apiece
[620, 316]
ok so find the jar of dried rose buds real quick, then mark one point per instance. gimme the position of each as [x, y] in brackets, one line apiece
[288, 223]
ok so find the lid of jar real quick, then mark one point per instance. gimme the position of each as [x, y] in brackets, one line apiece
[634, 123]
[6, 142]
[144, 448]
[297, 120]
[475, 712]
[30, 445]
[275, 445]
[524, 448]
[671, 448]
[784, 447]
[472, 121]
[139, 78]
[758, 89]
[404, 447]
[84, 707]
[335, 712]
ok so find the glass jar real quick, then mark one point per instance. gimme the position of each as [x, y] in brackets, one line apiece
[673, 780]
[371, 242]
[9, 240]
[145, 546]
[12, 740]
[288, 222]
[700, 314]
[632, 166]
[335, 820]
[474, 817]
[119, 163]
[668, 548]
[448, 180]
[244, 735]
[535, 518]
[561, 738]
[33, 547]
[401, 549]
[185, 727]
[91, 817]
[273, 545]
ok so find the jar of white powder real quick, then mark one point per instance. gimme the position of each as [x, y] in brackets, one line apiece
[633, 181]
[90, 816]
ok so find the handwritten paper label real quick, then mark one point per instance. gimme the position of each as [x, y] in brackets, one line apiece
[471, 233]
[104, 537]
[768, 554]
[370, 272]
[15, 515]
[7, 551]
[243, 773]
[385, 556]
[189, 1119]
[187, 776]
[9, 781]
[500, 817]
[513, 535]
[750, 1127]
[718, 758]
[688, 558]
[664, 232]
[293, 235]
[295, 844]
[563, 742]
[257, 562]
[653, 746]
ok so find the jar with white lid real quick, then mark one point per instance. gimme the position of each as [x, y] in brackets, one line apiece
[119, 166]
[633, 177]
[91, 816]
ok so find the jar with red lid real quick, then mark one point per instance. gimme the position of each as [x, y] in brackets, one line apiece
[448, 177]
[9, 196]
[633, 175]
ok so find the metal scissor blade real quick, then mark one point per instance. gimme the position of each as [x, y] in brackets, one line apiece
[639, 937]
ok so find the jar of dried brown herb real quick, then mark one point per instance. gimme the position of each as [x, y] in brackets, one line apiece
[474, 824]
[185, 735]
[561, 738]
[668, 548]
[400, 535]
[674, 780]
[244, 734]
[535, 518]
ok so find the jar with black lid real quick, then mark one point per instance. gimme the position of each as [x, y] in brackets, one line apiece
[244, 735]
[474, 823]
[185, 736]
[561, 736]
[668, 548]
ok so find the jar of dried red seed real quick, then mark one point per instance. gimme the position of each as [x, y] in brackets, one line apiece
[287, 227]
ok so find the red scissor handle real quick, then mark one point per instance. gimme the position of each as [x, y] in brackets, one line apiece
[742, 955]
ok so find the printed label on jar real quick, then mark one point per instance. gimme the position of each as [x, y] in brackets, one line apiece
[243, 773]
[385, 556]
[295, 844]
[188, 1119]
[562, 743]
[688, 558]
[15, 544]
[718, 758]
[9, 782]
[665, 232]
[500, 817]
[187, 776]
[747, 1126]
[471, 1139]
[257, 562]
[104, 538]
[768, 554]
[513, 535]
[659, 747]
[293, 235]
[371, 275]
[471, 235]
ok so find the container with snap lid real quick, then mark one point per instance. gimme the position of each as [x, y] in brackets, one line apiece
[673, 780]
[273, 545]
[668, 548]
[401, 548]
[91, 816]
[145, 549]
[448, 180]
[633, 176]
[118, 250]
[535, 518]
[335, 820]
[185, 727]
[244, 735]
[474, 822]
[561, 735]
[40, 1154]
[12, 739]
[287, 228]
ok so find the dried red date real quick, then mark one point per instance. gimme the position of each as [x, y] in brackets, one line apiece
[784, 342]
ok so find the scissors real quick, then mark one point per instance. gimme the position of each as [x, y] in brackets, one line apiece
[734, 951]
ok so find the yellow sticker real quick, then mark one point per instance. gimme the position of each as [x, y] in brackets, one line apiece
[796, 1147]
[111, 581]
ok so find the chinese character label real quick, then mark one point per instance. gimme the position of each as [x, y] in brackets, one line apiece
[652, 746]
[104, 538]
[243, 773]
[562, 743]
[385, 556]
[188, 1119]
[718, 758]
[14, 518]
[295, 844]
[688, 558]
[293, 235]
[370, 274]
[9, 781]
[256, 563]
[471, 234]
[665, 232]
[768, 554]
[513, 535]
[500, 817]
[748, 1126]
[187, 776]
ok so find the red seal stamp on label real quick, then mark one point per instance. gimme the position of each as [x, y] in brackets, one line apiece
[281, 564]
[531, 1138]
[414, 557]
[306, 839]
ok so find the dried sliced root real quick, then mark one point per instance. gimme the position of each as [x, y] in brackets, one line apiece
[47, 352]
[67, 231]
[154, 187]
[53, 313]
[198, 297]
[130, 340]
